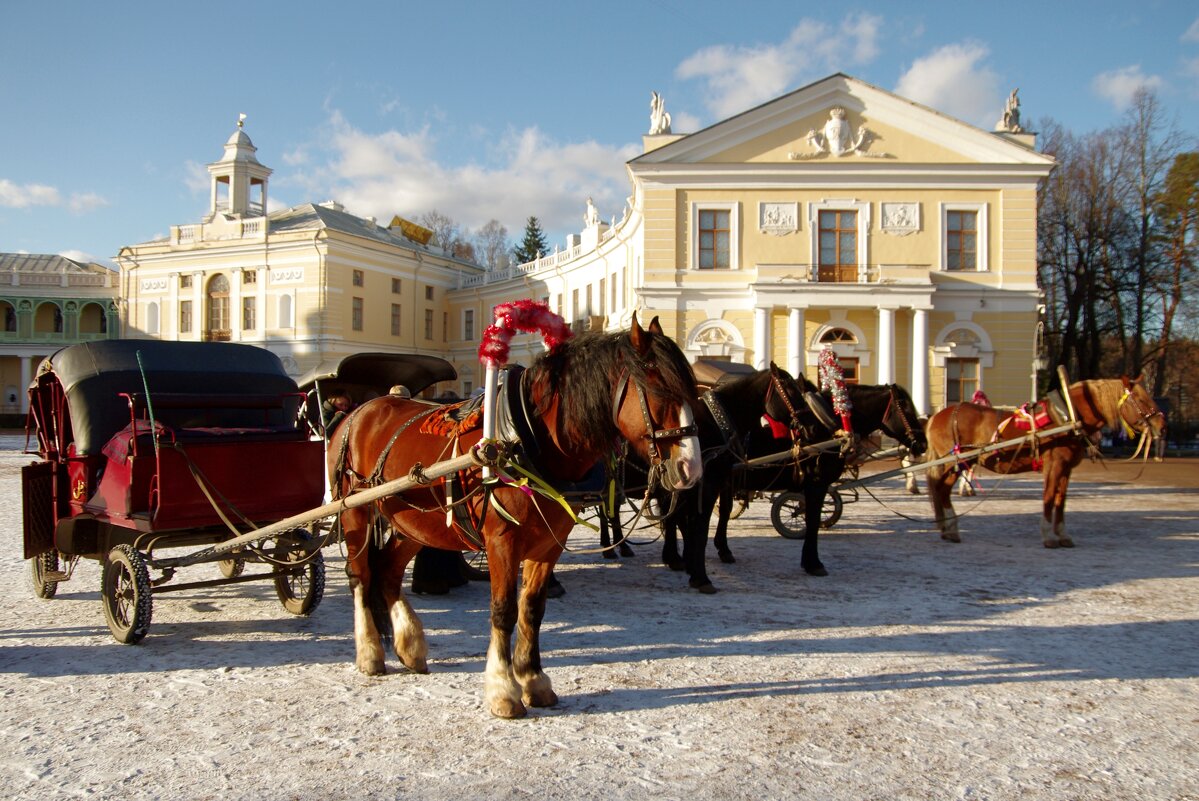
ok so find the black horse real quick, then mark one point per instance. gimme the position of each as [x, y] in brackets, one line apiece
[730, 422]
[885, 407]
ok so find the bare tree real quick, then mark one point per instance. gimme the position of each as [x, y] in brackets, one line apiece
[447, 234]
[492, 245]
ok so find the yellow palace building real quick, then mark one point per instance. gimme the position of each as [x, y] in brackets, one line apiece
[839, 215]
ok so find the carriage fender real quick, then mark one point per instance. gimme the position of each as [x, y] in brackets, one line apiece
[78, 536]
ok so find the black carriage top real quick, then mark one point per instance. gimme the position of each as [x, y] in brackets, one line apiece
[189, 385]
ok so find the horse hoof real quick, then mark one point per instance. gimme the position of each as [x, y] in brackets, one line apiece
[705, 589]
[420, 666]
[542, 698]
[627, 551]
[818, 570]
[1066, 542]
[675, 565]
[508, 708]
[610, 554]
[1051, 543]
[372, 668]
[951, 538]
[727, 558]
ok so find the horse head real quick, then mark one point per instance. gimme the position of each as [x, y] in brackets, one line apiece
[797, 400]
[1138, 411]
[902, 422]
[657, 417]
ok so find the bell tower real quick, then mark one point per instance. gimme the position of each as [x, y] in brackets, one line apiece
[238, 179]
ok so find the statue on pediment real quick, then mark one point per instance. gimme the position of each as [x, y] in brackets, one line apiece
[1010, 121]
[659, 118]
[591, 217]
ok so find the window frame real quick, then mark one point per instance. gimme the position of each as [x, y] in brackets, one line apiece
[357, 314]
[950, 361]
[981, 244]
[734, 212]
[865, 221]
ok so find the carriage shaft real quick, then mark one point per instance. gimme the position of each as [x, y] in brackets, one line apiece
[964, 456]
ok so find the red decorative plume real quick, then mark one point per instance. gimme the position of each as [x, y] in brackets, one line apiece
[832, 380]
[520, 315]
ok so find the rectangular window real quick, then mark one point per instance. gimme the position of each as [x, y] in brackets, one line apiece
[249, 277]
[428, 293]
[838, 246]
[961, 240]
[714, 239]
[849, 368]
[359, 279]
[395, 319]
[356, 314]
[249, 314]
[599, 297]
[613, 285]
[445, 326]
[961, 380]
[428, 323]
[185, 316]
[185, 282]
[468, 325]
[396, 285]
[467, 388]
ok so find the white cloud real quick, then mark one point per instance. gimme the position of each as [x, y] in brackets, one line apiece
[739, 78]
[83, 202]
[86, 258]
[955, 80]
[196, 177]
[1192, 33]
[394, 172]
[1119, 86]
[684, 123]
[18, 196]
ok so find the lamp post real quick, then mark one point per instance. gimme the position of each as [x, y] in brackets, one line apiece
[1039, 362]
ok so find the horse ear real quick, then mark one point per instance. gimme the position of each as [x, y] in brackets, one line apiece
[637, 335]
[655, 327]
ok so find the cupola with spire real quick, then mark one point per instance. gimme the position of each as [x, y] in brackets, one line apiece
[238, 179]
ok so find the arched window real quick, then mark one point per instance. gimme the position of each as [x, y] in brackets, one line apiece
[835, 335]
[152, 318]
[92, 319]
[47, 319]
[218, 327]
[10, 317]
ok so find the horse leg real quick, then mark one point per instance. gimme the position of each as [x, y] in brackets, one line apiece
[618, 536]
[940, 492]
[1053, 523]
[500, 690]
[966, 487]
[910, 483]
[526, 662]
[813, 508]
[408, 633]
[724, 512]
[670, 544]
[368, 645]
[694, 524]
[606, 539]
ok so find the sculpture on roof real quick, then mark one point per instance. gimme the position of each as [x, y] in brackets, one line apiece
[659, 118]
[1011, 115]
[591, 217]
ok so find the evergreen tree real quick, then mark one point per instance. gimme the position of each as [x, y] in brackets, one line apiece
[533, 245]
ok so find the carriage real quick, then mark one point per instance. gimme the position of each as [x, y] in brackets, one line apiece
[133, 494]
[142, 452]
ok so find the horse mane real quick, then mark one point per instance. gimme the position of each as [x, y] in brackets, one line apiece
[584, 370]
[1104, 394]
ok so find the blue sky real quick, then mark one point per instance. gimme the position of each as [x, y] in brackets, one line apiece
[109, 112]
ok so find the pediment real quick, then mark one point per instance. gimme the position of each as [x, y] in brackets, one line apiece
[841, 120]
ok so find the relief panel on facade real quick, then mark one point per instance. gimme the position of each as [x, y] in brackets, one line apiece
[900, 219]
[778, 219]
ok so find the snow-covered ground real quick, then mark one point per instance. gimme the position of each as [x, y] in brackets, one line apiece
[994, 669]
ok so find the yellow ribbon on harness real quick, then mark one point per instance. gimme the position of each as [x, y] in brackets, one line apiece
[531, 482]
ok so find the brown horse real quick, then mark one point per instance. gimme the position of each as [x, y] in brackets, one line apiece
[1101, 403]
[576, 401]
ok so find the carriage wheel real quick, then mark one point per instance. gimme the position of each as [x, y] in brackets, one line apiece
[300, 588]
[40, 566]
[787, 513]
[125, 593]
[233, 567]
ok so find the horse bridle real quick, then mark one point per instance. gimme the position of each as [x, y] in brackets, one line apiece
[894, 405]
[776, 386]
[653, 435]
[1139, 409]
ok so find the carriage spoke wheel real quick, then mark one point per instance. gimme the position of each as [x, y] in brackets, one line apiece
[40, 567]
[787, 513]
[232, 567]
[125, 593]
[300, 588]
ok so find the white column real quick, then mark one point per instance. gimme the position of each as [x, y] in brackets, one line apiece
[761, 337]
[919, 388]
[199, 312]
[795, 340]
[173, 302]
[235, 279]
[260, 287]
[26, 378]
[886, 346]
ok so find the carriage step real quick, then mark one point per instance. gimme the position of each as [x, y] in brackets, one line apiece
[55, 575]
